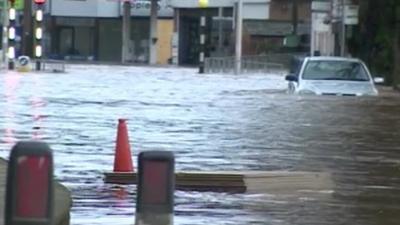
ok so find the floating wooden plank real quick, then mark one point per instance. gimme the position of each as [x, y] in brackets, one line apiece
[284, 182]
[248, 181]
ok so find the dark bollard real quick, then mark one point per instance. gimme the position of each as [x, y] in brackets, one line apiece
[155, 191]
[38, 65]
[29, 194]
[11, 65]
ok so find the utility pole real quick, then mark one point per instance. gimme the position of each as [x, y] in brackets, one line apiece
[126, 31]
[239, 27]
[27, 39]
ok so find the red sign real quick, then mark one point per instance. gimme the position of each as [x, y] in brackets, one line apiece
[155, 181]
[32, 190]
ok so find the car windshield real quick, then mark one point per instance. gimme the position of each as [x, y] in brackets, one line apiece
[335, 70]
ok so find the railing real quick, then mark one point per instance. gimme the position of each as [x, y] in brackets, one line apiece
[55, 66]
[227, 65]
[251, 64]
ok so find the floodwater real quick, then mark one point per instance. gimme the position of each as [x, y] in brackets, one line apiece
[211, 122]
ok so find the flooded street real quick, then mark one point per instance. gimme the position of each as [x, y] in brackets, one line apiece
[211, 122]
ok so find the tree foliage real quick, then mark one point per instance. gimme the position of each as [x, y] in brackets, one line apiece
[375, 37]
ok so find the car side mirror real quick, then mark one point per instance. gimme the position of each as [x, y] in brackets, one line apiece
[291, 77]
[379, 80]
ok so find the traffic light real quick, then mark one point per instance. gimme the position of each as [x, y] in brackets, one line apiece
[40, 2]
[12, 14]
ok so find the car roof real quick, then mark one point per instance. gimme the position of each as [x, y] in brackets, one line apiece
[332, 58]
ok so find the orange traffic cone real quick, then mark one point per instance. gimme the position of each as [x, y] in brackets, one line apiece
[123, 158]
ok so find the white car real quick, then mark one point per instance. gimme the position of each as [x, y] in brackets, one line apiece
[333, 76]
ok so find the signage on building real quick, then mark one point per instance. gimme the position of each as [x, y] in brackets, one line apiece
[107, 8]
[256, 10]
[142, 8]
[79, 22]
[85, 8]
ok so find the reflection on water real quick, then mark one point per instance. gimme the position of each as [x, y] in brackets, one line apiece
[37, 104]
[10, 85]
[211, 122]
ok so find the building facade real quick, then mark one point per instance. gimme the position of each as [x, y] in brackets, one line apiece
[92, 30]
[284, 30]
[268, 26]
[220, 27]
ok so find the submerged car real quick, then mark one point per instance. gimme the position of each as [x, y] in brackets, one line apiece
[333, 76]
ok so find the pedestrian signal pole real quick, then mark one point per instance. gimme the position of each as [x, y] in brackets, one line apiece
[38, 47]
[203, 4]
[11, 35]
[4, 37]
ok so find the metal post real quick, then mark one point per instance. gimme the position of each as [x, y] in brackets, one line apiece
[126, 31]
[27, 42]
[312, 41]
[202, 41]
[343, 31]
[239, 27]
[294, 16]
[220, 30]
[175, 38]
[153, 32]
